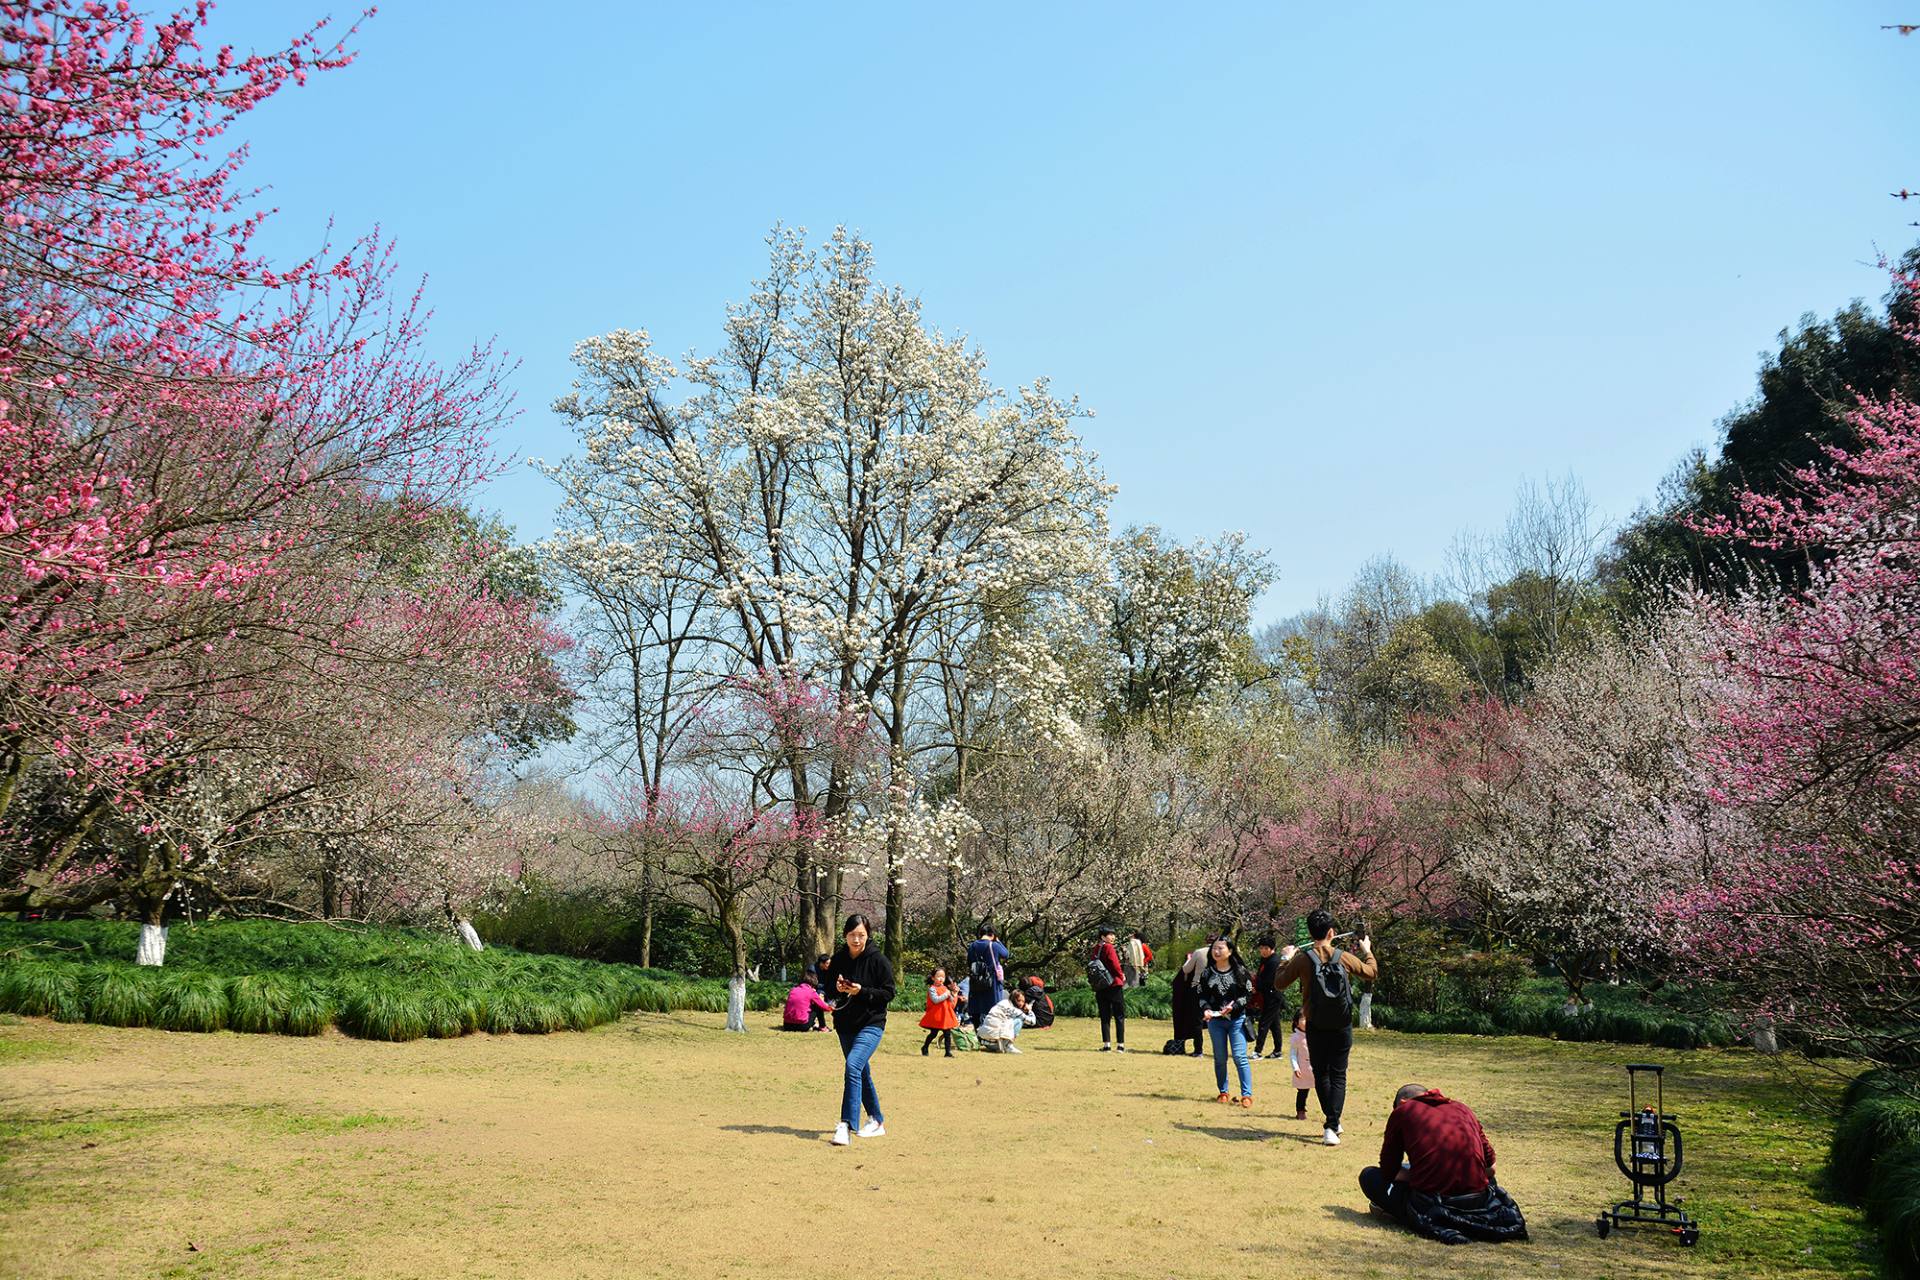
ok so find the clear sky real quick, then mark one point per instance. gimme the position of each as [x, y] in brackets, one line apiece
[1339, 275]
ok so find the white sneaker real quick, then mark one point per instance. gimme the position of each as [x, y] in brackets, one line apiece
[840, 1137]
[1339, 1129]
[873, 1129]
[1332, 1138]
[1012, 1048]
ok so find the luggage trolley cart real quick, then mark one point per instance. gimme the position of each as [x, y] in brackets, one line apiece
[1648, 1149]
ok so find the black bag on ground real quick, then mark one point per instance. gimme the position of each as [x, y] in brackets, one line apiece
[1173, 1049]
[1490, 1217]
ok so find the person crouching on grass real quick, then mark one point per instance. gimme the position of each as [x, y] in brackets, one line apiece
[1435, 1175]
[1225, 987]
[940, 1019]
[1003, 1023]
[863, 982]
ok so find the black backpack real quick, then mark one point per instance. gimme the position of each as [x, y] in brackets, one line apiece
[1329, 994]
[1097, 976]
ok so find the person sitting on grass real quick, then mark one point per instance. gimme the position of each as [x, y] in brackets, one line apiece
[1003, 1023]
[1039, 1003]
[803, 1003]
[1435, 1175]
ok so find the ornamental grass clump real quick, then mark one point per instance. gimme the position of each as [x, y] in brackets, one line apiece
[121, 995]
[191, 1001]
[310, 1008]
[380, 1009]
[257, 1003]
[40, 990]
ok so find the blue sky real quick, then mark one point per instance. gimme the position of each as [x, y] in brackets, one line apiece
[1336, 275]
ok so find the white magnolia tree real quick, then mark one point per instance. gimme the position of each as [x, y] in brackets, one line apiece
[827, 493]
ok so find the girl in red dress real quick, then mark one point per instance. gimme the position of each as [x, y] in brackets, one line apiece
[940, 1018]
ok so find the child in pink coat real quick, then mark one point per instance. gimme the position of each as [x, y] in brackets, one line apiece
[1302, 1067]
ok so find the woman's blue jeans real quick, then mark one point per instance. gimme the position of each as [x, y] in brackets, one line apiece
[1231, 1032]
[860, 1046]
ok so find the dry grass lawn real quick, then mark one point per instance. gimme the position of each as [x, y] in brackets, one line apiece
[660, 1146]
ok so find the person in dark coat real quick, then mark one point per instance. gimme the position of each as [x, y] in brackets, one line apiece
[1435, 1175]
[862, 982]
[986, 974]
[1187, 1023]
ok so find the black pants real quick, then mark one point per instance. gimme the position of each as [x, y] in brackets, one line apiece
[946, 1041]
[1271, 1015]
[1385, 1192]
[1300, 1100]
[1328, 1051]
[1113, 1014]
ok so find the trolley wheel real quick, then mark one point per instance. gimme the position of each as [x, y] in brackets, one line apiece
[1690, 1236]
[1604, 1225]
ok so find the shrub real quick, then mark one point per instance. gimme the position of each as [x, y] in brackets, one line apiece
[1874, 1125]
[1413, 981]
[1893, 1204]
[1484, 981]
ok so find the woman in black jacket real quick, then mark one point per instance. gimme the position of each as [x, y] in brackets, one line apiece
[862, 983]
[1225, 988]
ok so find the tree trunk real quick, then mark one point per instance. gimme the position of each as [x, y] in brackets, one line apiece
[1366, 1010]
[896, 902]
[468, 934]
[153, 936]
[737, 979]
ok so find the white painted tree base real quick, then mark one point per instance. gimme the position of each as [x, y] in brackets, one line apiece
[736, 1004]
[469, 934]
[153, 945]
[1366, 1010]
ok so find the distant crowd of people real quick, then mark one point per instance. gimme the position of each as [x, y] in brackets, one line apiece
[1435, 1174]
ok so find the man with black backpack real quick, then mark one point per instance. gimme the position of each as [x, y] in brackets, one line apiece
[1326, 974]
[1109, 984]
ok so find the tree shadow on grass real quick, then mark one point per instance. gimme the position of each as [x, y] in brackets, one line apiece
[810, 1135]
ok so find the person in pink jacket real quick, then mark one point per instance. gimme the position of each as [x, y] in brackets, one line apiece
[1301, 1064]
[801, 1003]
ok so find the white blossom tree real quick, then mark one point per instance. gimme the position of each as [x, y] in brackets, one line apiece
[831, 484]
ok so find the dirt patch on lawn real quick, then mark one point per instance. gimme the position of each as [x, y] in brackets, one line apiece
[662, 1146]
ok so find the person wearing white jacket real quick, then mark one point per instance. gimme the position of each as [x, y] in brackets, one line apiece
[1003, 1023]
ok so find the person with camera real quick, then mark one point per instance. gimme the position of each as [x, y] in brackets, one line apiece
[862, 982]
[1326, 975]
[1435, 1175]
